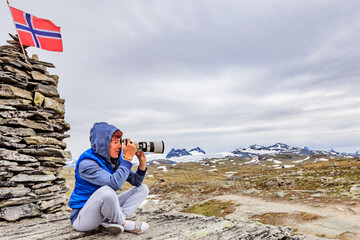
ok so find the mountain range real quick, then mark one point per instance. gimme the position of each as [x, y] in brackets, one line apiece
[197, 154]
[282, 148]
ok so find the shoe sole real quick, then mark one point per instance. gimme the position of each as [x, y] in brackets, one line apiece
[113, 230]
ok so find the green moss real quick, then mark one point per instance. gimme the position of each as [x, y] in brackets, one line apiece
[212, 208]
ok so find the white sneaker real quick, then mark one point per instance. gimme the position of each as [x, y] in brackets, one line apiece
[136, 227]
[113, 228]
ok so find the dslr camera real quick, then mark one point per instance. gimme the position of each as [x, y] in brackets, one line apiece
[154, 147]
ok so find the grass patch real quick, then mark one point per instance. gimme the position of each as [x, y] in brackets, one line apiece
[284, 218]
[212, 208]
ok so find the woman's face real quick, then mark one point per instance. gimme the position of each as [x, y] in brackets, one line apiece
[115, 147]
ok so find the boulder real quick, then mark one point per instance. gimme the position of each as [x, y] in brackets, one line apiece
[16, 212]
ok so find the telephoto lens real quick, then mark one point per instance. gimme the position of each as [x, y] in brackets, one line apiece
[155, 147]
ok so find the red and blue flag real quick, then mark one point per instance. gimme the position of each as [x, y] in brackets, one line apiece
[37, 32]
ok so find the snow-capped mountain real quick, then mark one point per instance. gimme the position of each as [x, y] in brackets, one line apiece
[177, 153]
[183, 152]
[197, 151]
[281, 148]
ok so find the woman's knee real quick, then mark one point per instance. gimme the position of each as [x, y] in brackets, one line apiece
[106, 192]
[144, 188]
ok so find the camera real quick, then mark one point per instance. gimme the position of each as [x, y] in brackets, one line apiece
[155, 147]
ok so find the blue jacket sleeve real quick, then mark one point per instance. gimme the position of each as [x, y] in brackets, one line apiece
[90, 171]
[136, 178]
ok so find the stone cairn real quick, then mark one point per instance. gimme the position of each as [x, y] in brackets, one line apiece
[32, 128]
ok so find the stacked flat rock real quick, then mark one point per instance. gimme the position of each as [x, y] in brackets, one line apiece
[32, 129]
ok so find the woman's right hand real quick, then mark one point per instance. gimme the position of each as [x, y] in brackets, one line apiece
[129, 149]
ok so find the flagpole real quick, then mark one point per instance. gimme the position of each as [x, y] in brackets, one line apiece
[22, 47]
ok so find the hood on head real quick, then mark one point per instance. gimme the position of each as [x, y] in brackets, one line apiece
[100, 137]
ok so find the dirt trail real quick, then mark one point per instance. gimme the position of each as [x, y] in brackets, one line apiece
[339, 221]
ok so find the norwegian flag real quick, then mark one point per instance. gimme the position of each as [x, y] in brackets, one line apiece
[37, 32]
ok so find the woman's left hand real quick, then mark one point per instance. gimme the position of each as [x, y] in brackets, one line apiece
[142, 160]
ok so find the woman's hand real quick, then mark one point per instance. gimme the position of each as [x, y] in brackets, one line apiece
[142, 160]
[129, 149]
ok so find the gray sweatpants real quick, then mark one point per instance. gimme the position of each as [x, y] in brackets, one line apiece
[105, 206]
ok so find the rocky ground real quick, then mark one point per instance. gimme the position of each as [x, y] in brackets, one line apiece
[308, 199]
[317, 196]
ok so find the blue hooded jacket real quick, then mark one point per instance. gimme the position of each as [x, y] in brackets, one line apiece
[94, 169]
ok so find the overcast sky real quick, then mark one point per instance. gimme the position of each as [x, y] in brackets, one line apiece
[214, 74]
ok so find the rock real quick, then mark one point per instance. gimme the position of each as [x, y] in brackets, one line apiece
[11, 145]
[15, 156]
[2, 107]
[24, 65]
[18, 169]
[10, 139]
[149, 206]
[46, 64]
[10, 62]
[38, 140]
[4, 163]
[5, 78]
[251, 191]
[56, 135]
[53, 152]
[317, 195]
[280, 194]
[38, 99]
[16, 212]
[54, 105]
[16, 201]
[22, 132]
[61, 125]
[46, 90]
[26, 123]
[42, 191]
[32, 178]
[33, 115]
[17, 103]
[48, 204]
[355, 189]
[41, 185]
[13, 192]
[40, 77]
[7, 184]
[18, 73]
[9, 91]
[52, 159]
